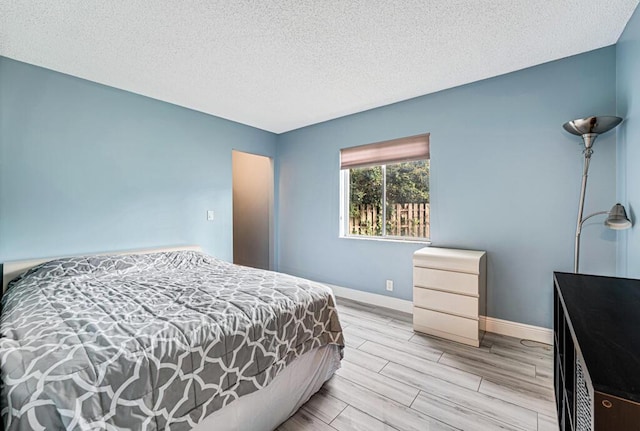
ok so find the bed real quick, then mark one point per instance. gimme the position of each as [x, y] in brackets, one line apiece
[161, 340]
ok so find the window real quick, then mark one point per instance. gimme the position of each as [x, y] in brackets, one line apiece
[385, 189]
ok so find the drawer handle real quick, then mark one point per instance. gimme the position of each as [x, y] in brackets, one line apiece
[607, 404]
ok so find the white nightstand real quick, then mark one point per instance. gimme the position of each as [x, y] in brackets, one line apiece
[449, 293]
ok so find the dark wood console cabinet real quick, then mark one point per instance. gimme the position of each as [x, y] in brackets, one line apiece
[597, 352]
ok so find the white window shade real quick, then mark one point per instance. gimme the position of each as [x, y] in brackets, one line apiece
[387, 152]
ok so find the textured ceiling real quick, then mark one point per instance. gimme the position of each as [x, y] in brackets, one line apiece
[283, 64]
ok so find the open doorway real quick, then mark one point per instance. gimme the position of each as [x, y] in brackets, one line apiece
[252, 210]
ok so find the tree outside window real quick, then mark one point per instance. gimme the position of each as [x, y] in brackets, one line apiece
[402, 189]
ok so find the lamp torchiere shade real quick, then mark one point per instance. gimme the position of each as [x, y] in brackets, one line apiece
[597, 125]
[590, 127]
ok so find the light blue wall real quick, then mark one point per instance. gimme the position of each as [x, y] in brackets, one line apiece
[85, 167]
[628, 100]
[505, 178]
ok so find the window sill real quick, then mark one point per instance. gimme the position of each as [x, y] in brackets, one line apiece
[391, 239]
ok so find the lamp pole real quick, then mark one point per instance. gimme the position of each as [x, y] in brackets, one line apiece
[588, 151]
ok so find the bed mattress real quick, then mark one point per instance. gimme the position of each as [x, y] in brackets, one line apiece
[154, 341]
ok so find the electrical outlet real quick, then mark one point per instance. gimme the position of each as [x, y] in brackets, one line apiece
[390, 285]
[210, 215]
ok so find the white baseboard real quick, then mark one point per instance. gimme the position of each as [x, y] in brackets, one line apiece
[517, 330]
[373, 299]
[489, 324]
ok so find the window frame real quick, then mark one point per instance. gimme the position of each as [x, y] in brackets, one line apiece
[345, 205]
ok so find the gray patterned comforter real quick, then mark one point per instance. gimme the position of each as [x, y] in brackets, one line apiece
[154, 341]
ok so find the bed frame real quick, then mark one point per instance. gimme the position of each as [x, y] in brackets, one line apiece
[13, 269]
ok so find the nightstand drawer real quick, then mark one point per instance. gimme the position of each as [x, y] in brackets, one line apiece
[423, 320]
[451, 303]
[457, 282]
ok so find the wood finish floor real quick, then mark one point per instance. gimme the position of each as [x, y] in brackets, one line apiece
[394, 379]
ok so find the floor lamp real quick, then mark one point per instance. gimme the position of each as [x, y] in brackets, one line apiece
[589, 128]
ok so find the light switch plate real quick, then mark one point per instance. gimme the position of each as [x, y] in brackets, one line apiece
[209, 215]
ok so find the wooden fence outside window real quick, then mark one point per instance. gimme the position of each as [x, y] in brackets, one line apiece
[404, 220]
